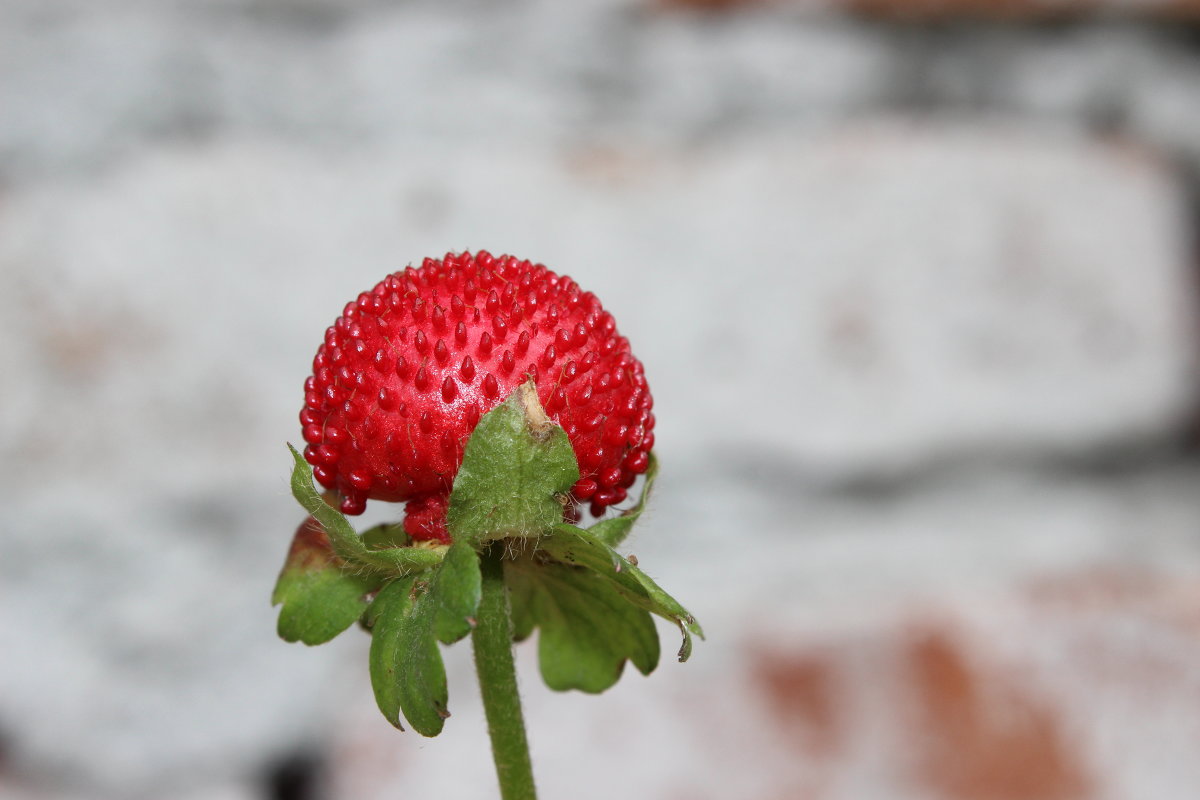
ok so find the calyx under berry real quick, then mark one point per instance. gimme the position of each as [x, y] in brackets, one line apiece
[590, 604]
[408, 370]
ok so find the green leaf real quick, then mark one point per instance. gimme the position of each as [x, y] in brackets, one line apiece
[515, 466]
[572, 545]
[408, 618]
[407, 673]
[455, 592]
[588, 629]
[522, 593]
[345, 542]
[613, 531]
[668, 607]
[320, 596]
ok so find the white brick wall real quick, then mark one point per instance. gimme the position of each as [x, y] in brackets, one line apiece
[876, 345]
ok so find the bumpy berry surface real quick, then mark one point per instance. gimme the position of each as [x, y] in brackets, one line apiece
[408, 369]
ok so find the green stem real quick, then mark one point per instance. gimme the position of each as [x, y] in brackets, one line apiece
[492, 640]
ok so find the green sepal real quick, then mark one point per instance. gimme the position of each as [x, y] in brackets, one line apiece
[588, 629]
[346, 543]
[613, 531]
[516, 465]
[386, 535]
[576, 546]
[407, 619]
[320, 596]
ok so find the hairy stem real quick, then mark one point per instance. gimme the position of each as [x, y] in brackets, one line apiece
[492, 640]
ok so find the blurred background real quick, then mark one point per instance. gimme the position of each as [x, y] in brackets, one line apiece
[915, 286]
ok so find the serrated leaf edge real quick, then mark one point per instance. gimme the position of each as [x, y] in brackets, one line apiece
[655, 599]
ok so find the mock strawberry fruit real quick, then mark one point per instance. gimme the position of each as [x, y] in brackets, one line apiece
[408, 369]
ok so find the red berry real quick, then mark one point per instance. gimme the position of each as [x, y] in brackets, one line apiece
[406, 372]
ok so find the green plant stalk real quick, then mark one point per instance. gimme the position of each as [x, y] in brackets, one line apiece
[493, 644]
